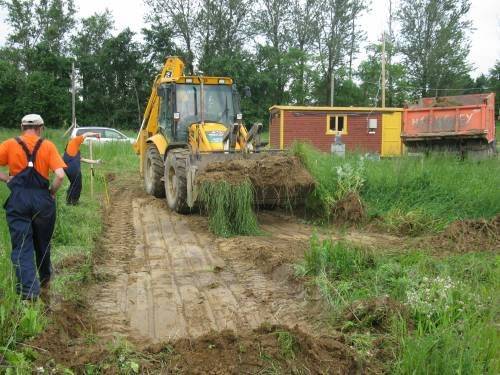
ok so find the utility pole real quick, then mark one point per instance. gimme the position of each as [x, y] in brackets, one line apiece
[73, 93]
[332, 87]
[389, 56]
[383, 70]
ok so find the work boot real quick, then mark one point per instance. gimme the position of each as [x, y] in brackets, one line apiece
[45, 284]
[45, 292]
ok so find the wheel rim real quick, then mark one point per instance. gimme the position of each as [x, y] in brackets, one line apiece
[172, 183]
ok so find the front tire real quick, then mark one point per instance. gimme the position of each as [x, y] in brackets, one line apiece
[153, 172]
[175, 179]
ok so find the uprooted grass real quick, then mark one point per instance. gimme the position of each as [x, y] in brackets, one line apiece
[229, 208]
[411, 312]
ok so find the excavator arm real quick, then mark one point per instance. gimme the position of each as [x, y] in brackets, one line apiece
[172, 69]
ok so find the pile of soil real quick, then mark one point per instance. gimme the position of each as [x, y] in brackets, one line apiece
[276, 179]
[349, 209]
[258, 352]
[470, 235]
[374, 314]
[445, 102]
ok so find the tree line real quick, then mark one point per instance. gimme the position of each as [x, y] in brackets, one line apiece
[285, 51]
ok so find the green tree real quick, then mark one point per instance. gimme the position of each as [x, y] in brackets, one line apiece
[338, 41]
[38, 21]
[88, 44]
[369, 72]
[272, 22]
[158, 44]
[182, 16]
[114, 79]
[222, 32]
[434, 43]
[494, 85]
[37, 49]
[11, 88]
[303, 30]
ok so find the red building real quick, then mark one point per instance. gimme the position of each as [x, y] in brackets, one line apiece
[363, 129]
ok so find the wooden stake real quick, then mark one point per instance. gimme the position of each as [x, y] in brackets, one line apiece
[91, 171]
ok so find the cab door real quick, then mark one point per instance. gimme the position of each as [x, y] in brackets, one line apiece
[166, 111]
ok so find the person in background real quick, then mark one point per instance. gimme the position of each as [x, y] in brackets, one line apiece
[73, 160]
[31, 207]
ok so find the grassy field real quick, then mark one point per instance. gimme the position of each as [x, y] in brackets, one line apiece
[409, 312]
[76, 230]
[420, 313]
[424, 194]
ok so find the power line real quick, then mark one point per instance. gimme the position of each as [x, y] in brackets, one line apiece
[433, 89]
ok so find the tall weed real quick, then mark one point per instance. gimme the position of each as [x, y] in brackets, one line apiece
[411, 196]
[229, 208]
[335, 178]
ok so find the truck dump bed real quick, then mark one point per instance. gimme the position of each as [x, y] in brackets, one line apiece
[465, 121]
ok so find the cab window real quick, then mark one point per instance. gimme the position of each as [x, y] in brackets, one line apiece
[166, 109]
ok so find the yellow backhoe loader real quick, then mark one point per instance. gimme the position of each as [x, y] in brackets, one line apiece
[190, 122]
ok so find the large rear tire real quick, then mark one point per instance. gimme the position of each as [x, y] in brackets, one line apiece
[153, 172]
[175, 179]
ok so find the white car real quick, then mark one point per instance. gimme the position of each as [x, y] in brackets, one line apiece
[107, 134]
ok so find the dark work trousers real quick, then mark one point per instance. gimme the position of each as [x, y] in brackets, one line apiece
[74, 173]
[31, 216]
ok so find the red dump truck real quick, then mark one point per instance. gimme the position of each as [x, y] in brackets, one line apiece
[464, 124]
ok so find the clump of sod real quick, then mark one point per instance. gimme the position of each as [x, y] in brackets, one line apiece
[229, 208]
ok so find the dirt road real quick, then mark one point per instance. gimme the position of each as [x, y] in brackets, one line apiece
[170, 278]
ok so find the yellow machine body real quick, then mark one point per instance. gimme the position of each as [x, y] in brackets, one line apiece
[189, 118]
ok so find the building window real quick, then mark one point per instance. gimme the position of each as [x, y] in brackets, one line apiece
[336, 124]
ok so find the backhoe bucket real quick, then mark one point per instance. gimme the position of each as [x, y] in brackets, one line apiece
[277, 179]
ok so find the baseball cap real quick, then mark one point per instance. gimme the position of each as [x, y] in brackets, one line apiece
[32, 119]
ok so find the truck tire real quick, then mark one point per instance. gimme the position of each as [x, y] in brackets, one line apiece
[176, 165]
[153, 172]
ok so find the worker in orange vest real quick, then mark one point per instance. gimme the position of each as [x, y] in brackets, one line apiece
[73, 171]
[31, 207]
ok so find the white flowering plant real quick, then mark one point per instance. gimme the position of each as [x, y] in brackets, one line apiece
[350, 178]
[439, 300]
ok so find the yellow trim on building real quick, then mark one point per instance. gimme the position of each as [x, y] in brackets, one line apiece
[282, 129]
[344, 109]
[334, 132]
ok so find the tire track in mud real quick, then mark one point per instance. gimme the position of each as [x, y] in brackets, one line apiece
[169, 278]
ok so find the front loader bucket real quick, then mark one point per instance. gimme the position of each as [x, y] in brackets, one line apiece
[277, 179]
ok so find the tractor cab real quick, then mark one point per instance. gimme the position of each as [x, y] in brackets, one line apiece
[198, 111]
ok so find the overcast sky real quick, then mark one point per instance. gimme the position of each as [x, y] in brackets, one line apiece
[485, 15]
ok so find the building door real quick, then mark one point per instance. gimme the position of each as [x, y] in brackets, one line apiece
[391, 134]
